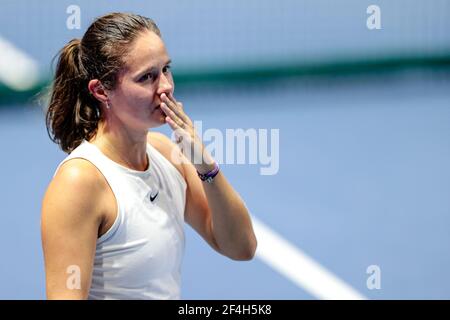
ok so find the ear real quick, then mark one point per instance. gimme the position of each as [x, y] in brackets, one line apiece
[98, 91]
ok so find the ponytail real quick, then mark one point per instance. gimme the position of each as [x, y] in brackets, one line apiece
[73, 114]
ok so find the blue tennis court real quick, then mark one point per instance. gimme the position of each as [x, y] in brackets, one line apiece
[359, 170]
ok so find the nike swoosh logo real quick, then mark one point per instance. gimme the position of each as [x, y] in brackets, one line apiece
[154, 197]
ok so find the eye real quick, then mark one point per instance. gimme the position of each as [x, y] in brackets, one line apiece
[166, 68]
[146, 77]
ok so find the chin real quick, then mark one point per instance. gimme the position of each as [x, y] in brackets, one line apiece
[157, 120]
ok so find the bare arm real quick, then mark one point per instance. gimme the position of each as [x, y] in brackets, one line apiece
[69, 226]
[227, 217]
[215, 210]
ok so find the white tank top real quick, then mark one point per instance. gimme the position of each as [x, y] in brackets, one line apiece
[140, 256]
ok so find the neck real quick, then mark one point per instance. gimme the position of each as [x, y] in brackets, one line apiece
[126, 147]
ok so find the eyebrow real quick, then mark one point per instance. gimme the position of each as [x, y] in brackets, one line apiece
[151, 69]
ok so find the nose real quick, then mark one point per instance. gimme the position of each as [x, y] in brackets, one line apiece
[165, 85]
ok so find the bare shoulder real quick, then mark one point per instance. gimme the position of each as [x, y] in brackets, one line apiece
[167, 148]
[75, 189]
[71, 217]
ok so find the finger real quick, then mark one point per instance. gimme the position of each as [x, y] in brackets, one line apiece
[169, 112]
[172, 124]
[171, 97]
[176, 107]
[179, 104]
[179, 110]
[172, 116]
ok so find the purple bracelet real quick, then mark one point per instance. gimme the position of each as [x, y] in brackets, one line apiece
[209, 176]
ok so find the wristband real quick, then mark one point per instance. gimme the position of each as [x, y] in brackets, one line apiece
[209, 176]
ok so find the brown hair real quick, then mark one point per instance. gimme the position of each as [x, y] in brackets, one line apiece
[73, 113]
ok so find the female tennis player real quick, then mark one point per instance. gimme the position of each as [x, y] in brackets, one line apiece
[113, 215]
